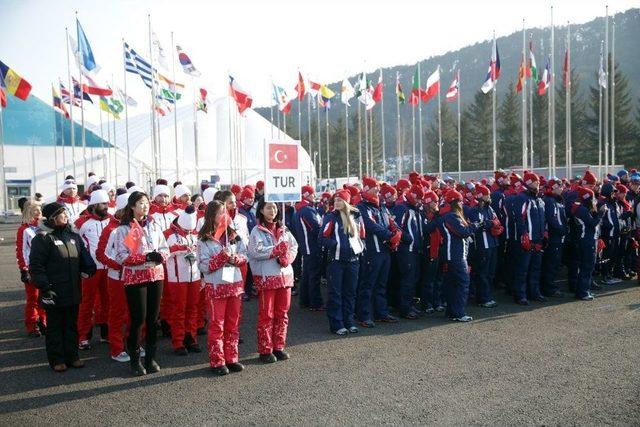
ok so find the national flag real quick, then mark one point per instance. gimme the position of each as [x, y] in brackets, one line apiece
[67, 98]
[242, 98]
[222, 226]
[203, 103]
[399, 93]
[602, 74]
[346, 92]
[521, 76]
[159, 53]
[168, 89]
[365, 92]
[494, 70]
[133, 239]
[85, 54]
[565, 69]
[136, 64]
[80, 93]
[454, 89]
[283, 156]
[57, 102]
[3, 92]
[545, 80]
[325, 97]
[127, 99]
[14, 84]
[282, 99]
[91, 87]
[532, 69]
[377, 91]
[416, 91]
[300, 87]
[186, 63]
[433, 86]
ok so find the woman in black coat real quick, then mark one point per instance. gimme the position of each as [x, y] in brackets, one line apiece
[57, 261]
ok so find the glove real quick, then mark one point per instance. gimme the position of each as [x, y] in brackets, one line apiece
[537, 247]
[601, 245]
[154, 257]
[190, 256]
[525, 242]
[48, 298]
[283, 261]
[497, 230]
[395, 239]
[279, 250]
[24, 276]
[634, 244]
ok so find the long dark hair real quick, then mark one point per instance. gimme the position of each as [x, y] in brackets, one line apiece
[127, 212]
[456, 208]
[213, 207]
[222, 195]
[260, 216]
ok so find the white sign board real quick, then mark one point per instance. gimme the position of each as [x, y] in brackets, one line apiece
[282, 177]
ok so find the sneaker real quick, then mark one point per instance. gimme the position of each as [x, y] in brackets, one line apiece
[556, 294]
[409, 316]
[220, 370]
[489, 304]
[614, 281]
[539, 298]
[595, 286]
[440, 308]
[281, 354]
[122, 357]
[354, 330]
[463, 319]
[77, 364]
[235, 367]
[588, 297]
[268, 358]
[180, 351]
[35, 333]
[60, 367]
[341, 331]
[142, 352]
[388, 319]
[367, 324]
[429, 310]
[84, 345]
[522, 302]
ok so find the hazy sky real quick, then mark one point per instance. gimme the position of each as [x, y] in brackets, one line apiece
[260, 41]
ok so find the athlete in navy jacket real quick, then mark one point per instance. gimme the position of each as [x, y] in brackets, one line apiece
[557, 229]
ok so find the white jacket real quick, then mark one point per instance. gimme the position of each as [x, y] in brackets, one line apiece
[181, 243]
[90, 228]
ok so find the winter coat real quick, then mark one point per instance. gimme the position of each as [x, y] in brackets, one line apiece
[456, 236]
[269, 269]
[556, 219]
[339, 245]
[135, 268]
[90, 227]
[105, 253]
[376, 229]
[213, 257]
[307, 223]
[528, 212]
[180, 267]
[24, 236]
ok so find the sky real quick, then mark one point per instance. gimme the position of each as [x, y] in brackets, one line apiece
[263, 41]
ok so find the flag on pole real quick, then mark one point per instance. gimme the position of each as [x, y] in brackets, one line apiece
[454, 89]
[545, 80]
[377, 92]
[133, 239]
[433, 86]
[602, 75]
[314, 88]
[158, 51]
[67, 98]
[106, 106]
[3, 92]
[494, 70]
[521, 76]
[186, 63]
[346, 92]
[399, 92]
[136, 64]
[364, 92]
[532, 69]
[300, 87]
[416, 91]
[282, 99]
[91, 87]
[79, 93]
[202, 103]
[57, 102]
[242, 98]
[565, 69]
[85, 54]
[325, 97]
[14, 84]
[127, 99]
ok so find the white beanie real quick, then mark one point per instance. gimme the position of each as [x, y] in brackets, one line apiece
[181, 190]
[208, 195]
[161, 189]
[69, 183]
[91, 180]
[107, 187]
[134, 188]
[121, 201]
[98, 196]
[188, 218]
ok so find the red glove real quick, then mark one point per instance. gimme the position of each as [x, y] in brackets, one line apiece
[497, 230]
[634, 244]
[496, 222]
[283, 260]
[279, 250]
[537, 247]
[395, 240]
[525, 242]
[601, 246]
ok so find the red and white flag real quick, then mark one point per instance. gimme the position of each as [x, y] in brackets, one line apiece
[242, 98]
[433, 86]
[300, 87]
[454, 90]
[283, 156]
[314, 88]
[92, 88]
[377, 91]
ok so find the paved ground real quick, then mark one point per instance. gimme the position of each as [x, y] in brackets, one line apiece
[567, 362]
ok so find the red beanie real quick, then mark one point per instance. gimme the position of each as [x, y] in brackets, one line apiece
[414, 177]
[621, 188]
[481, 191]
[402, 185]
[414, 194]
[387, 191]
[326, 196]
[260, 185]
[368, 183]
[585, 193]
[530, 178]
[344, 195]
[430, 196]
[589, 178]
[236, 189]
[247, 193]
[514, 178]
[307, 191]
[452, 195]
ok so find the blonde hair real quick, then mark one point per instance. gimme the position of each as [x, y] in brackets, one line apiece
[26, 210]
[349, 224]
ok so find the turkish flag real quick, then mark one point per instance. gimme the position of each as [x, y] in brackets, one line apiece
[283, 156]
[133, 239]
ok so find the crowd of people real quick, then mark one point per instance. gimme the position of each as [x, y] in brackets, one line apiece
[170, 261]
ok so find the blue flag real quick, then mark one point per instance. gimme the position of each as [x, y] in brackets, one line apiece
[84, 49]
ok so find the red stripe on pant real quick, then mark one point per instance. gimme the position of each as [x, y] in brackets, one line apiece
[118, 316]
[93, 288]
[222, 330]
[273, 319]
[32, 310]
[183, 316]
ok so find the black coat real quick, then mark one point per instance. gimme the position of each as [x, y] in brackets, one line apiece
[57, 258]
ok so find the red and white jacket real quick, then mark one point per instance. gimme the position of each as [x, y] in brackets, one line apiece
[112, 207]
[74, 207]
[181, 243]
[105, 253]
[25, 234]
[163, 215]
[90, 228]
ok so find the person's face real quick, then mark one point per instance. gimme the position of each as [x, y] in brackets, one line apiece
[557, 190]
[61, 219]
[35, 212]
[269, 211]
[162, 199]
[249, 201]
[230, 204]
[392, 198]
[486, 198]
[185, 198]
[621, 196]
[433, 206]
[339, 204]
[197, 202]
[218, 216]
[112, 195]
[101, 209]
[70, 192]
[534, 186]
[374, 191]
[141, 208]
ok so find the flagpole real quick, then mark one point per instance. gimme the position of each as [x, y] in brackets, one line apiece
[524, 98]
[3, 176]
[284, 123]
[359, 140]
[366, 143]
[319, 140]
[531, 104]
[326, 117]
[372, 169]
[311, 165]
[175, 109]
[568, 148]
[71, 102]
[413, 133]
[613, 92]
[346, 132]
[420, 123]
[64, 170]
[115, 147]
[84, 140]
[110, 177]
[600, 114]
[104, 156]
[231, 154]
[553, 98]
[55, 143]
[493, 104]
[459, 139]
[606, 91]
[398, 133]
[299, 118]
[271, 112]
[439, 129]
[384, 155]
[154, 146]
[195, 133]
[126, 117]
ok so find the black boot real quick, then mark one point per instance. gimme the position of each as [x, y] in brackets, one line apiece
[149, 363]
[104, 332]
[136, 367]
[191, 344]
[165, 328]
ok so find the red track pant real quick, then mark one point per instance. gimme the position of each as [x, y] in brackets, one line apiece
[183, 313]
[32, 310]
[202, 307]
[118, 316]
[273, 319]
[222, 331]
[93, 288]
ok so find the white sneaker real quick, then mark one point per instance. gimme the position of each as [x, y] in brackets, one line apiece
[84, 345]
[463, 319]
[122, 357]
[142, 353]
